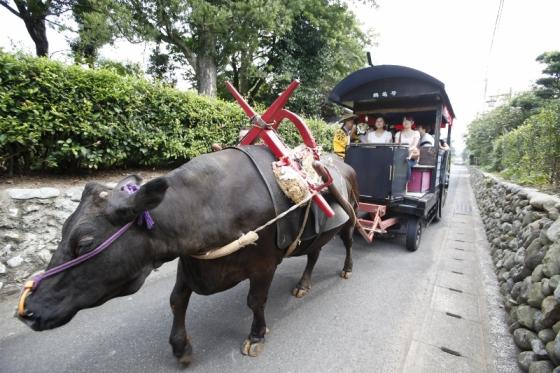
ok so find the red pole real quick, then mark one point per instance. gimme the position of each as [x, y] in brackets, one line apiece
[240, 100]
[279, 103]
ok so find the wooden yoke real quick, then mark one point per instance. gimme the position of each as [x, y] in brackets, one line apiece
[265, 126]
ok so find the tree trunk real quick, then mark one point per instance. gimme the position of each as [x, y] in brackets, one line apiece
[33, 14]
[38, 32]
[206, 75]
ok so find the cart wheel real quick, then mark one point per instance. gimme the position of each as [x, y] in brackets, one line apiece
[413, 233]
[443, 197]
[437, 216]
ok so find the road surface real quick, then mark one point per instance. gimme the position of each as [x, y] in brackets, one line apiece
[434, 310]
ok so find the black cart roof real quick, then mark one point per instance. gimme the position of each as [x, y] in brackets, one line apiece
[386, 87]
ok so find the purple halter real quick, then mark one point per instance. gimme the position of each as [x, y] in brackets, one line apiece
[144, 218]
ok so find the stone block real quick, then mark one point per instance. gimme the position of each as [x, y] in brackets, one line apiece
[41, 193]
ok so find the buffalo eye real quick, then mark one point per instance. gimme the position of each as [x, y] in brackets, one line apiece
[84, 245]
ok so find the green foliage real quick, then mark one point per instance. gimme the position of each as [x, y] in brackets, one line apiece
[322, 44]
[259, 45]
[120, 68]
[527, 152]
[531, 152]
[57, 117]
[322, 132]
[521, 138]
[549, 85]
[486, 129]
[94, 29]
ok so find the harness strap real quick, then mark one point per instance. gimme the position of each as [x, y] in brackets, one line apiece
[297, 241]
[251, 237]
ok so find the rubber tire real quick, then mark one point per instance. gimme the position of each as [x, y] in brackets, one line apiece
[437, 216]
[443, 197]
[413, 233]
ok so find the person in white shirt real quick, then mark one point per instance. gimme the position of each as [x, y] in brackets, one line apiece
[425, 138]
[407, 136]
[379, 135]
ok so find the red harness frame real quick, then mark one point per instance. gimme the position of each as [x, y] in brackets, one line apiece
[265, 126]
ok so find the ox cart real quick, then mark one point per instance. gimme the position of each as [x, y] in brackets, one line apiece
[388, 201]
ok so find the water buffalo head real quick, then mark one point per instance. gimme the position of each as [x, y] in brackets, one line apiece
[119, 270]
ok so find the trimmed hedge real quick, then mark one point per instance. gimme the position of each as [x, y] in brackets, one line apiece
[531, 152]
[54, 116]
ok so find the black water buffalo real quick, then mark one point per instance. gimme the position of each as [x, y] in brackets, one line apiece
[207, 203]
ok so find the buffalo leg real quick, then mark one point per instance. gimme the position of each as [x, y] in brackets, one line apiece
[347, 234]
[256, 300]
[304, 284]
[179, 300]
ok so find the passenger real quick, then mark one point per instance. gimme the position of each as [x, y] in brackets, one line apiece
[362, 130]
[407, 136]
[425, 138]
[343, 135]
[379, 135]
[443, 145]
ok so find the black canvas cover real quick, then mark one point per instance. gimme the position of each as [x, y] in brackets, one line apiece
[389, 86]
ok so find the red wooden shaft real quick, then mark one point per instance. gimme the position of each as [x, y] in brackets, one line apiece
[240, 100]
[302, 128]
[270, 138]
[279, 103]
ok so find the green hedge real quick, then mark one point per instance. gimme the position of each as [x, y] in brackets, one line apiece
[54, 116]
[531, 152]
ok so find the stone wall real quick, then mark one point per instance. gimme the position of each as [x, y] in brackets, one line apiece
[30, 227]
[523, 227]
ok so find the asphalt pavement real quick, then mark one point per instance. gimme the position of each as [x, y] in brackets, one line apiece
[391, 316]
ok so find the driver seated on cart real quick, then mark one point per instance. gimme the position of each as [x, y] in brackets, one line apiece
[344, 135]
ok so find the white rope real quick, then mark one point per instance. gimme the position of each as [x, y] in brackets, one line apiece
[250, 237]
[306, 199]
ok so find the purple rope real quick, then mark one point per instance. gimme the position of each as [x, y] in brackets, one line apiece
[145, 217]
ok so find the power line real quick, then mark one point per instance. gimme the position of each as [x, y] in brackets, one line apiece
[496, 25]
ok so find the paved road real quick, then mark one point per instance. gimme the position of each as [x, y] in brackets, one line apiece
[395, 314]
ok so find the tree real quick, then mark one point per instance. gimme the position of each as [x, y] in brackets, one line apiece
[486, 129]
[322, 45]
[203, 32]
[549, 86]
[232, 37]
[34, 14]
[162, 66]
[94, 29]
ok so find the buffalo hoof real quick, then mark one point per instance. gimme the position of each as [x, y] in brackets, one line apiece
[300, 292]
[185, 360]
[345, 274]
[252, 347]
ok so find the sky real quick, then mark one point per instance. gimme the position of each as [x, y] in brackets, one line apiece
[448, 39]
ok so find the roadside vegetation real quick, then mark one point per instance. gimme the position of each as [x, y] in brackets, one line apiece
[103, 114]
[66, 118]
[520, 139]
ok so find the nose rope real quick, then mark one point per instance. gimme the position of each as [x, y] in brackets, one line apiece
[31, 285]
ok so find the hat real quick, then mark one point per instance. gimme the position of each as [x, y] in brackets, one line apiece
[347, 116]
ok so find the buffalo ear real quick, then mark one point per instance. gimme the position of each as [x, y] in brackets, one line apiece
[150, 194]
[130, 179]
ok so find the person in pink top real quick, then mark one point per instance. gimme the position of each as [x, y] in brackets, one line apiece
[410, 137]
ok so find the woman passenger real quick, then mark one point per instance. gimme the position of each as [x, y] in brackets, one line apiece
[407, 136]
[379, 135]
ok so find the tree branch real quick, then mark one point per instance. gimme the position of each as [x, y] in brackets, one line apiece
[12, 10]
